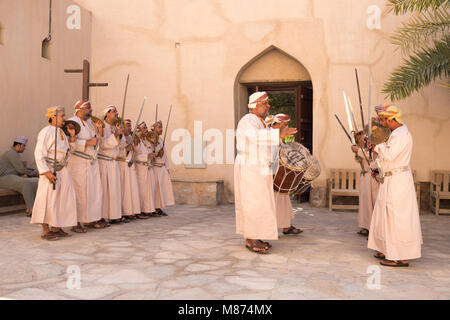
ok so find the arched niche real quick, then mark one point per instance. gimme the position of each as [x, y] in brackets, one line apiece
[273, 66]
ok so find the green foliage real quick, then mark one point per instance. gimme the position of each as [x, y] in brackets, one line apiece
[419, 70]
[283, 103]
[425, 38]
[422, 30]
[405, 6]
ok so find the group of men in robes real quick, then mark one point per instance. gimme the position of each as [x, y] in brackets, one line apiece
[388, 212]
[104, 174]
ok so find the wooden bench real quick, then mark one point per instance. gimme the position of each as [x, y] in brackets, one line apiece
[343, 182]
[10, 208]
[439, 190]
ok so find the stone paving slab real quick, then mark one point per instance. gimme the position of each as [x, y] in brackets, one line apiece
[194, 253]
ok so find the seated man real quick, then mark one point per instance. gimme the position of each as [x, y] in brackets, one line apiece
[14, 175]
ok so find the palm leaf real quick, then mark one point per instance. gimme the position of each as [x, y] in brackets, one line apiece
[419, 70]
[404, 6]
[422, 29]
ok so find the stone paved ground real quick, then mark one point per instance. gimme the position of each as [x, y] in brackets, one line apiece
[194, 253]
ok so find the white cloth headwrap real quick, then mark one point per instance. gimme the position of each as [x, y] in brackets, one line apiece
[80, 104]
[108, 109]
[257, 97]
[21, 139]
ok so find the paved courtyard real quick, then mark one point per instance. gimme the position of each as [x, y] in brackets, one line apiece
[194, 253]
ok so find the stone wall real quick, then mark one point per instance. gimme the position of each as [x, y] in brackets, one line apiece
[198, 192]
[29, 83]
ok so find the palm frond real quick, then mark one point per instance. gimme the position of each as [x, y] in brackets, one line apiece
[422, 29]
[419, 70]
[404, 6]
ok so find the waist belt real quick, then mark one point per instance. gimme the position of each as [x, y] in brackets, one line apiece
[103, 157]
[144, 163]
[122, 159]
[159, 165]
[59, 164]
[396, 171]
[82, 155]
[99, 156]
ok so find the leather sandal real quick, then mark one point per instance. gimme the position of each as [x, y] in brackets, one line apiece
[79, 229]
[257, 246]
[363, 232]
[62, 233]
[390, 263]
[293, 230]
[379, 255]
[50, 236]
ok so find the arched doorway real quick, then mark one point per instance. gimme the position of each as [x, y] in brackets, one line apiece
[289, 86]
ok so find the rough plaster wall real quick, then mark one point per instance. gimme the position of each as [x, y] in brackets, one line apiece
[29, 83]
[217, 38]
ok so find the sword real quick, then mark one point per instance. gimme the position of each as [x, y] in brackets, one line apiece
[370, 108]
[96, 150]
[343, 128]
[167, 126]
[360, 102]
[124, 99]
[156, 138]
[56, 143]
[347, 111]
[134, 131]
[355, 127]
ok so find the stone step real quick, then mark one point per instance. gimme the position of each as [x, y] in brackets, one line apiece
[18, 207]
[10, 201]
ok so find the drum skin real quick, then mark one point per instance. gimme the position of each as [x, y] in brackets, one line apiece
[293, 162]
[313, 171]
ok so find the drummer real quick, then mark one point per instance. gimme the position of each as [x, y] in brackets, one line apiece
[283, 204]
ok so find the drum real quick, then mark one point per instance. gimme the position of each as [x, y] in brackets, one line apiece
[310, 174]
[293, 161]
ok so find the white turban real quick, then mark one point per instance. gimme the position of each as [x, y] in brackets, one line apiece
[80, 104]
[257, 97]
[21, 139]
[108, 109]
[281, 117]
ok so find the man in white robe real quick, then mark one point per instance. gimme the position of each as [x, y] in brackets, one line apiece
[368, 186]
[109, 168]
[144, 173]
[54, 208]
[395, 230]
[256, 216]
[163, 185]
[283, 205]
[131, 206]
[85, 170]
